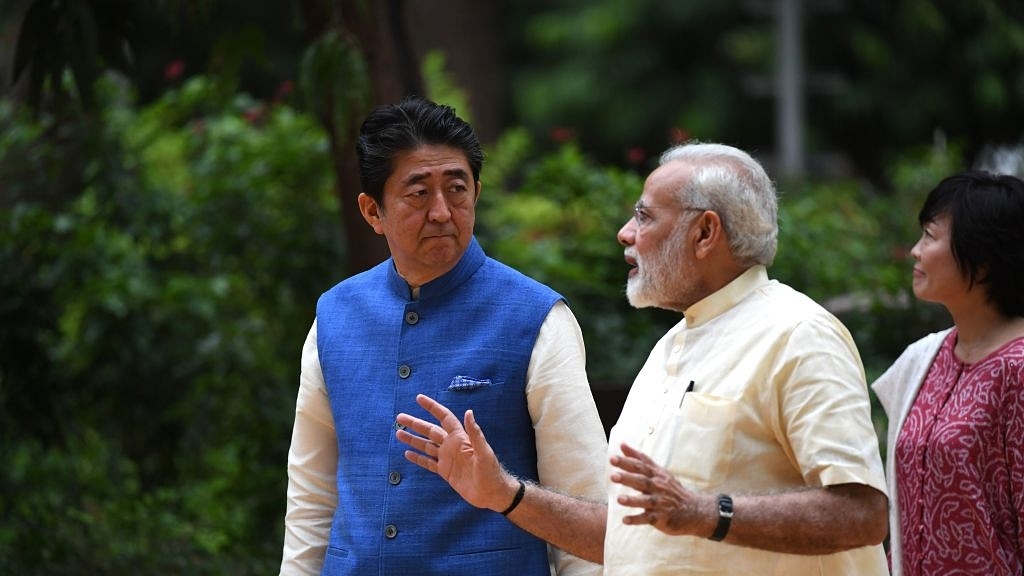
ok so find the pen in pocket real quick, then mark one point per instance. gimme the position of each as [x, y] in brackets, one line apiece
[689, 388]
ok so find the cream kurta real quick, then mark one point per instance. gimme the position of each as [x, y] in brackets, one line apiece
[779, 401]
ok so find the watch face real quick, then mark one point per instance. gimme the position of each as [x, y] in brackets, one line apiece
[725, 505]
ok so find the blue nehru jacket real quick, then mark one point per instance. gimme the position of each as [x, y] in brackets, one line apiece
[466, 341]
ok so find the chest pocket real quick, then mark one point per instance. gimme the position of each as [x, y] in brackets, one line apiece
[461, 392]
[700, 438]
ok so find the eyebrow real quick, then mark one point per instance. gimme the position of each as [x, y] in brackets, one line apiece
[451, 173]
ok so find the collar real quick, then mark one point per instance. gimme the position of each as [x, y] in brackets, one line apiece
[472, 259]
[726, 297]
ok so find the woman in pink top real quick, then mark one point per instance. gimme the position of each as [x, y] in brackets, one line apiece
[955, 399]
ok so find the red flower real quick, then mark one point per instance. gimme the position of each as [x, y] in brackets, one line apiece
[562, 134]
[678, 135]
[255, 114]
[636, 155]
[174, 69]
[284, 89]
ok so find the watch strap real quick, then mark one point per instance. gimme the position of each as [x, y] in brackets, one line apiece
[724, 517]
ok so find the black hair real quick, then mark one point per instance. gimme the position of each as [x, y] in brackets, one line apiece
[986, 218]
[395, 128]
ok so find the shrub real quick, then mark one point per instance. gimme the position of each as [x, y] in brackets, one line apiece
[150, 331]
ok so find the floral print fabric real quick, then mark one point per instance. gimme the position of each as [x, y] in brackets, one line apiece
[960, 467]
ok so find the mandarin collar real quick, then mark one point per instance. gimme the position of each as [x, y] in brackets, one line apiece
[726, 297]
[472, 259]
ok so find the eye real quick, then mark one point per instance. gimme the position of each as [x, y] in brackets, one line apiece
[641, 215]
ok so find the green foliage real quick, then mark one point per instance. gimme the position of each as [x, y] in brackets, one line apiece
[31, 164]
[150, 326]
[336, 82]
[149, 337]
[843, 243]
[879, 77]
[830, 241]
[441, 86]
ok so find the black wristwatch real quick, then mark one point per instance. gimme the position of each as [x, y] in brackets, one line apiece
[724, 517]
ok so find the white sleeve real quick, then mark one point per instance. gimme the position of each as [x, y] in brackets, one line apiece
[312, 466]
[571, 443]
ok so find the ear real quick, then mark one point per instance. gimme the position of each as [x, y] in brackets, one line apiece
[372, 212]
[710, 234]
[479, 187]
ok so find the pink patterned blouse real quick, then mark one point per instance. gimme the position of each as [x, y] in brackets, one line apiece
[960, 467]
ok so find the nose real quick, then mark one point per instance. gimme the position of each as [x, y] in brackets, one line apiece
[627, 234]
[438, 210]
[915, 252]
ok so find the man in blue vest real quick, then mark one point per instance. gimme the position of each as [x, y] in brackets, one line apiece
[441, 318]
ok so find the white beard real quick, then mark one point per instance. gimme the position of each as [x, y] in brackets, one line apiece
[652, 285]
[661, 278]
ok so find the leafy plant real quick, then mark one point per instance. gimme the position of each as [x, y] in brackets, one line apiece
[149, 338]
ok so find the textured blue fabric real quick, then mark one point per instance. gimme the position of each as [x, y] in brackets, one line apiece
[466, 341]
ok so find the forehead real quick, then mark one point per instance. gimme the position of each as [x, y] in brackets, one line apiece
[428, 160]
[941, 221]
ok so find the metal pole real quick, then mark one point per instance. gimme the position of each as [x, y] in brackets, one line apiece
[789, 104]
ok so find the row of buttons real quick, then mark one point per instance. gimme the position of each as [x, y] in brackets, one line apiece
[394, 478]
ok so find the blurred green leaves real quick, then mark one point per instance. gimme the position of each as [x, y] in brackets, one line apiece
[150, 330]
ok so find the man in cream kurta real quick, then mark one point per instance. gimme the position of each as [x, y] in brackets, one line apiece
[745, 446]
[777, 403]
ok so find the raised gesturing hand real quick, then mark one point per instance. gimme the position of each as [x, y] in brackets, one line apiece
[663, 501]
[457, 452]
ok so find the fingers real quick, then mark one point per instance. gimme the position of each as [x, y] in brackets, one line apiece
[647, 518]
[631, 452]
[421, 427]
[646, 501]
[449, 422]
[417, 442]
[427, 430]
[476, 433]
[638, 482]
[634, 460]
[421, 460]
[663, 502]
[636, 469]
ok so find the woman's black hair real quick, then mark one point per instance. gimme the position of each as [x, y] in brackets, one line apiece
[986, 219]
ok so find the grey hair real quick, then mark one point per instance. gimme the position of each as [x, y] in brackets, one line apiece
[730, 182]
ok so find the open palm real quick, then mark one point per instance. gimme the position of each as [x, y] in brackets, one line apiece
[457, 452]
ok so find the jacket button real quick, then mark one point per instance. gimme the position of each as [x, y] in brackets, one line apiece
[390, 531]
[404, 371]
[411, 317]
[394, 478]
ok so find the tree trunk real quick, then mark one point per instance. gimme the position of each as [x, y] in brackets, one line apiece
[372, 25]
[467, 32]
